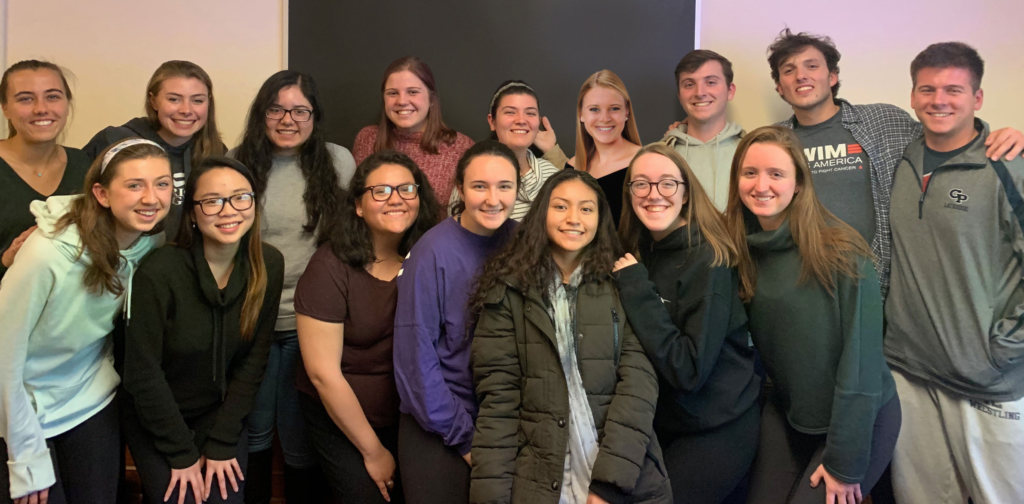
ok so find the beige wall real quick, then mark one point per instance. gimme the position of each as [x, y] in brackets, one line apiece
[877, 39]
[113, 47]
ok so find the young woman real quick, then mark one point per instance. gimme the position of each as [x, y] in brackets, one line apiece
[683, 302]
[558, 370]
[830, 425]
[197, 343]
[515, 121]
[432, 341]
[180, 117]
[606, 135]
[36, 101]
[58, 303]
[300, 177]
[345, 305]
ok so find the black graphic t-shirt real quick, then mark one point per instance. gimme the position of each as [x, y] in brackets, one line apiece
[842, 173]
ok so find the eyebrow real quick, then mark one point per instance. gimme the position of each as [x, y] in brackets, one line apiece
[486, 182]
[215, 194]
[30, 93]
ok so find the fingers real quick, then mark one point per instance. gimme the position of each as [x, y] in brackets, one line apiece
[383, 490]
[197, 487]
[234, 482]
[208, 483]
[238, 470]
[630, 257]
[859, 497]
[1015, 151]
[170, 487]
[815, 479]
[830, 497]
[182, 488]
[546, 123]
[44, 496]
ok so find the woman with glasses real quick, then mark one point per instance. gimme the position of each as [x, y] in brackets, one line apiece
[202, 318]
[682, 299]
[300, 179]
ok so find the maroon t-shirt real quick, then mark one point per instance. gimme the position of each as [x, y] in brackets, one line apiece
[335, 292]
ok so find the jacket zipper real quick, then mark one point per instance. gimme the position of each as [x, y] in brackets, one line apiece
[615, 332]
[920, 183]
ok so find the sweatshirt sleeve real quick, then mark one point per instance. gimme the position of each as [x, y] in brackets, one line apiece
[152, 306]
[344, 164]
[860, 383]
[421, 386]
[247, 376]
[556, 157]
[683, 355]
[23, 297]
[1006, 338]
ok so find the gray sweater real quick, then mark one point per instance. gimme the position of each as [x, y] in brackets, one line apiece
[956, 302]
[284, 213]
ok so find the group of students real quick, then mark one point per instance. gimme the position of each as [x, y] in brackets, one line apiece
[582, 335]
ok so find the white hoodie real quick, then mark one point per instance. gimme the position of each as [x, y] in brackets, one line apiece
[56, 359]
[711, 160]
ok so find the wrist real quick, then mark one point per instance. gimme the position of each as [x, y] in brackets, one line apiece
[374, 450]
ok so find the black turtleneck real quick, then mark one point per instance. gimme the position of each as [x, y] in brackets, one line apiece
[190, 375]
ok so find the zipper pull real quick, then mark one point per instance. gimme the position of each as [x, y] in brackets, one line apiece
[615, 316]
[920, 206]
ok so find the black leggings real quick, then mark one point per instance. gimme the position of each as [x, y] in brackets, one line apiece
[786, 458]
[342, 462]
[711, 467]
[85, 461]
[431, 472]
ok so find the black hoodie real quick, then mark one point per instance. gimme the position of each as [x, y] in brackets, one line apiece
[188, 373]
[689, 318]
[181, 160]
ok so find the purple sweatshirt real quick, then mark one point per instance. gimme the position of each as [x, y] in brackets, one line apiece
[432, 349]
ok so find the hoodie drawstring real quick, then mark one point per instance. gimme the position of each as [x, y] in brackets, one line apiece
[714, 170]
[128, 294]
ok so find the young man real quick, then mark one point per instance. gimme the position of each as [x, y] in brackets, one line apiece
[853, 150]
[955, 310]
[707, 140]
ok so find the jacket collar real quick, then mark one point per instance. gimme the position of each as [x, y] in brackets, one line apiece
[236, 281]
[779, 239]
[972, 157]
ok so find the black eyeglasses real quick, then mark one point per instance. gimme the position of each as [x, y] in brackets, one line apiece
[298, 115]
[666, 188]
[382, 192]
[214, 206]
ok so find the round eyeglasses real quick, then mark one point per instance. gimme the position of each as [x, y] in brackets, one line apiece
[382, 192]
[214, 206]
[298, 115]
[666, 188]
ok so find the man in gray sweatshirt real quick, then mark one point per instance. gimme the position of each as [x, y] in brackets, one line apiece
[955, 309]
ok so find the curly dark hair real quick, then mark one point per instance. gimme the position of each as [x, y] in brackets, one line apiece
[347, 232]
[323, 188]
[789, 44]
[527, 257]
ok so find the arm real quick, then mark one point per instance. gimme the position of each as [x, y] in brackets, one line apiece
[1006, 338]
[497, 374]
[547, 143]
[362, 147]
[344, 164]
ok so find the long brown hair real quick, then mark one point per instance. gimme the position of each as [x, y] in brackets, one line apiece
[31, 65]
[206, 141]
[827, 245]
[256, 287]
[585, 148]
[436, 131]
[698, 210]
[97, 226]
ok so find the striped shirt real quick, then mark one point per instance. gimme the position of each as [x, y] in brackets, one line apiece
[529, 186]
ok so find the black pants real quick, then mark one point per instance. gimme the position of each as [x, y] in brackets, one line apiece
[155, 472]
[711, 467]
[342, 462]
[85, 461]
[786, 458]
[431, 472]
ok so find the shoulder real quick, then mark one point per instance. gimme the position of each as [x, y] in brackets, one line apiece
[344, 163]
[367, 134]
[77, 159]
[462, 142]
[105, 137]
[233, 153]
[273, 258]
[439, 236]
[166, 258]
[880, 112]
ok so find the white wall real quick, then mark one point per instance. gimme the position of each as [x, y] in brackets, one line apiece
[878, 39]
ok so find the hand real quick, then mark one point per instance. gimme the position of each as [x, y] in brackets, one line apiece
[545, 140]
[380, 465]
[192, 475]
[592, 498]
[835, 490]
[468, 458]
[40, 497]
[226, 470]
[624, 262]
[1006, 141]
[8, 258]
[673, 126]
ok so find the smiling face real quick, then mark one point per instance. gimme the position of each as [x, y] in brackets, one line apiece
[804, 80]
[406, 101]
[181, 107]
[139, 196]
[230, 225]
[767, 183]
[572, 219]
[659, 214]
[945, 102]
[396, 215]
[489, 192]
[286, 133]
[517, 121]
[36, 104]
[704, 94]
[604, 114]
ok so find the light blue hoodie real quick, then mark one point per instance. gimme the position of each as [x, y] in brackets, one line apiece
[56, 359]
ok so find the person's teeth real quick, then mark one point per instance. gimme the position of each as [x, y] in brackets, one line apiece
[573, 232]
[763, 198]
[46, 122]
[228, 226]
[803, 88]
[942, 114]
[656, 208]
[702, 104]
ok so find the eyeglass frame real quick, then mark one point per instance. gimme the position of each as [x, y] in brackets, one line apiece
[393, 189]
[288, 112]
[656, 186]
[226, 201]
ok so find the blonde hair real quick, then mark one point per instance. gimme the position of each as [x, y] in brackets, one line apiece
[585, 148]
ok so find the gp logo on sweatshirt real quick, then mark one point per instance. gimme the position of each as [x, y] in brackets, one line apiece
[959, 197]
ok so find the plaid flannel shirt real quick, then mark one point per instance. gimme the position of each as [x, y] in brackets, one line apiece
[884, 131]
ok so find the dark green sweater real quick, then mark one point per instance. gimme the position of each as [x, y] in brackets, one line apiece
[823, 352]
[191, 377]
